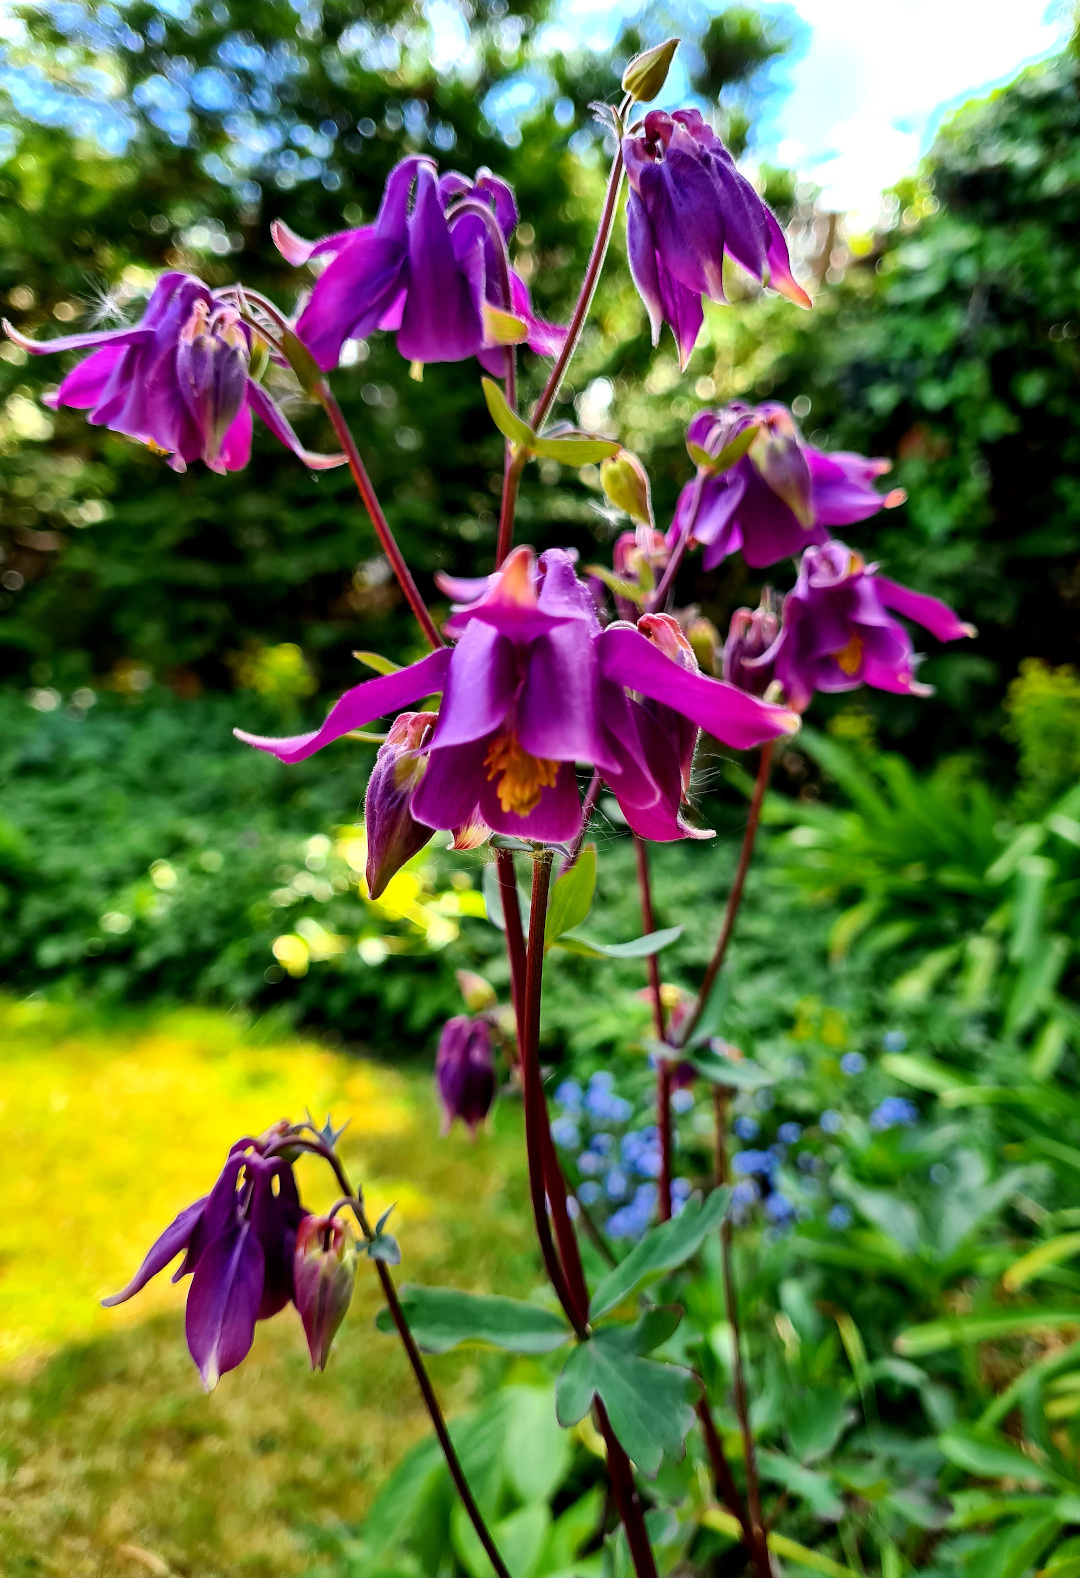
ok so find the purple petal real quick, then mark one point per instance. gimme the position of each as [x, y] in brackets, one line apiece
[770, 530]
[261, 403]
[139, 335]
[779, 261]
[930, 612]
[730, 715]
[556, 820]
[235, 449]
[85, 384]
[545, 339]
[450, 789]
[175, 1238]
[223, 1303]
[353, 295]
[686, 218]
[481, 682]
[295, 250]
[374, 698]
[442, 321]
[840, 487]
[506, 211]
[556, 715]
[746, 232]
[641, 248]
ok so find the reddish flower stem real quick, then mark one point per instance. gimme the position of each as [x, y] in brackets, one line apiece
[724, 1479]
[423, 1380]
[664, 1067]
[592, 795]
[735, 896]
[627, 1500]
[375, 513]
[674, 564]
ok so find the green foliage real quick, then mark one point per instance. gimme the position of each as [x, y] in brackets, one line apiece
[1043, 705]
[441, 1318]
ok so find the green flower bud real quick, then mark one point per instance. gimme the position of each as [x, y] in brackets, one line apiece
[647, 72]
[626, 483]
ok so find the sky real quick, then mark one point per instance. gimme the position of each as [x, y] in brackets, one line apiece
[874, 79]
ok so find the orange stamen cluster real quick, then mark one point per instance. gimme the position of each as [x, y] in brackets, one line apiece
[521, 776]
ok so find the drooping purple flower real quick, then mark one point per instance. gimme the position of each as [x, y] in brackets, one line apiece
[838, 629]
[748, 660]
[179, 380]
[432, 266]
[465, 1071]
[238, 1243]
[780, 497]
[688, 207]
[324, 1274]
[534, 686]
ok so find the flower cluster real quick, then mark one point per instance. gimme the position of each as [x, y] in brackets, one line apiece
[618, 1164]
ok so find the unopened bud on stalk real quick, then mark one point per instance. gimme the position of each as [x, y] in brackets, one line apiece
[751, 636]
[324, 1272]
[465, 1071]
[647, 72]
[704, 638]
[393, 834]
[626, 483]
[479, 994]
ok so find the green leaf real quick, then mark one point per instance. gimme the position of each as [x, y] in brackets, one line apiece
[441, 1318]
[375, 660]
[650, 1405]
[576, 1527]
[815, 1489]
[535, 1475]
[1036, 1260]
[519, 1539]
[662, 1249]
[737, 1073]
[922, 1072]
[638, 948]
[991, 1459]
[385, 1247]
[815, 1421]
[936, 1335]
[576, 449]
[508, 422]
[571, 896]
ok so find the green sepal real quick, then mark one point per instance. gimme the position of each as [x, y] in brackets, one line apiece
[508, 422]
[375, 660]
[575, 449]
[310, 375]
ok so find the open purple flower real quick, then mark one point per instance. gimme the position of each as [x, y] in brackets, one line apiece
[839, 632]
[465, 1071]
[533, 686]
[179, 380]
[688, 207]
[433, 266]
[238, 1242]
[780, 497]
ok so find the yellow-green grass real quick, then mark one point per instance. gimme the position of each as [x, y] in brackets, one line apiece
[112, 1459]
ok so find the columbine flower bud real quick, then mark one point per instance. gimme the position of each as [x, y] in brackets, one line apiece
[704, 639]
[626, 483]
[465, 1071]
[393, 834]
[646, 74]
[479, 994]
[781, 463]
[324, 1271]
[748, 659]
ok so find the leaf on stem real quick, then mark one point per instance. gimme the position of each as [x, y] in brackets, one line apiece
[650, 1405]
[508, 422]
[662, 1249]
[375, 660]
[637, 948]
[441, 1318]
[571, 896]
[570, 448]
[738, 1073]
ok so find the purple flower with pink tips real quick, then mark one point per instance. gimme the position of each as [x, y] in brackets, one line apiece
[178, 381]
[780, 497]
[688, 208]
[534, 685]
[238, 1244]
[433, 267]
[838, 629]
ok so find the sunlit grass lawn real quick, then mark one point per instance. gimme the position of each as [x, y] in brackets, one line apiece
[112, 1459]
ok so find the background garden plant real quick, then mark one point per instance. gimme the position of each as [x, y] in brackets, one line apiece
[964, 952]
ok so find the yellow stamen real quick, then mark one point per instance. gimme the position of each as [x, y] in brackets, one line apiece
[850, 657]
[521, 776]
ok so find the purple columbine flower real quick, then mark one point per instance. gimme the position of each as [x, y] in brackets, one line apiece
[688, 207]
[238, 1242]
[778, 498]
[534, 686]
[465, 1072]
[179, 380]
[433, 266]
[748, 659]
[838, 630]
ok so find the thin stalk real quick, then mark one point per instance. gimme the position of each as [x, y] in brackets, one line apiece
[735, 896]
[723, 1478]
[666, 586]
[627, 1500]
[592, 795]
[515, 937]
[375, 512]
[592, 1232]
[742, 1408]
[590, 280]
[664, 1068]
[423, 1380]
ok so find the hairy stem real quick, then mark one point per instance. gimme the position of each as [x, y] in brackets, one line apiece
[423, 1380]
[378, 519]
[663, 1067]
[588, 283]
[762, 1559]
[735, 896]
